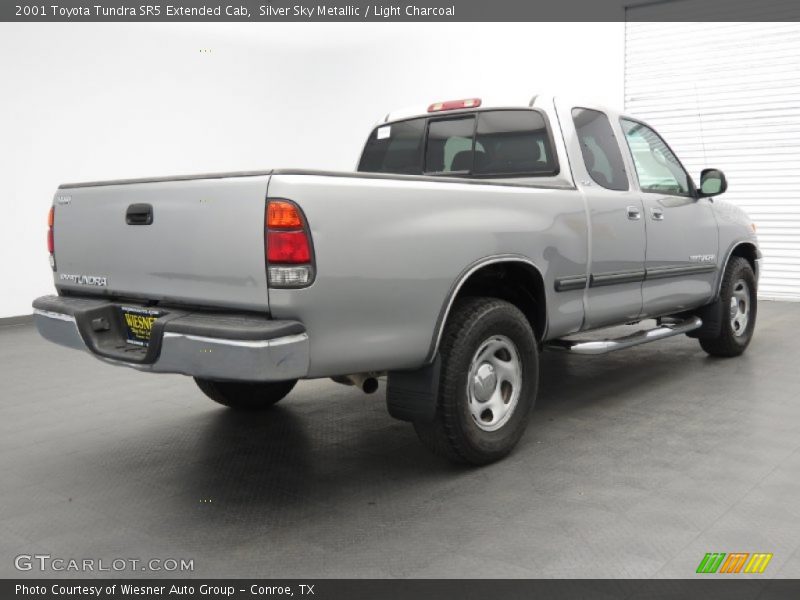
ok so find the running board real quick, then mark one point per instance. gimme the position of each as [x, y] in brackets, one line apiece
[640, 337]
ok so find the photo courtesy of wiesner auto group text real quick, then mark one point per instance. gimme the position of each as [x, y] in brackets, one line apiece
[431, 299]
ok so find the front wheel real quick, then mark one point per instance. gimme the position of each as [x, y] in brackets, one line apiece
[738, 306]
[487, 384]
[241, 395]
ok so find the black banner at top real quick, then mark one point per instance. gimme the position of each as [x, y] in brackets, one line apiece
[396, 10]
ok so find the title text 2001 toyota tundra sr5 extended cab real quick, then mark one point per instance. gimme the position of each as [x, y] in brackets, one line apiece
[472, 236]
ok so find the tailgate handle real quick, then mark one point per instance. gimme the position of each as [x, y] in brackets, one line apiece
[139, 214]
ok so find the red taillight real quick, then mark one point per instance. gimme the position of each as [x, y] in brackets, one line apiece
[51, 247]
[288, 247]
[454, 104]
[288, 240]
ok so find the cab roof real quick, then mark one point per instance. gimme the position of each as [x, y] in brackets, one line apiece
[544, 101]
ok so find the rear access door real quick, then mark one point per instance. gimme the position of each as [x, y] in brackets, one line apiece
[615, 210]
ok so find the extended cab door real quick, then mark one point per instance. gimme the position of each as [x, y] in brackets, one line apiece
[682, 236]
[616, 218]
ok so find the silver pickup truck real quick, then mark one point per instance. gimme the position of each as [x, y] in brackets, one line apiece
[472, 236]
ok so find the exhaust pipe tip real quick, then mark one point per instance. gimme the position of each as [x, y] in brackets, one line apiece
[369, 385]
[366, 382]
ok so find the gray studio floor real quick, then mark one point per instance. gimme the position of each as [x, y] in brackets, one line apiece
[635, 465]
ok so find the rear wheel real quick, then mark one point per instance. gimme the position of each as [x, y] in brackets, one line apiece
[245, 395]
[738, 306]
[487, 385]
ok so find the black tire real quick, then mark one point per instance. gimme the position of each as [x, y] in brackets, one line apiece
[455, 432]
[732, 338]
[244, 395]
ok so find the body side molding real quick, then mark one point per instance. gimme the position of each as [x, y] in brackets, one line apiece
[602, 279]
[665, 272]
[620, 277]
[566, 284]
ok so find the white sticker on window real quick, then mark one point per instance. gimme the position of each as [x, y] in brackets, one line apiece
[384, 132]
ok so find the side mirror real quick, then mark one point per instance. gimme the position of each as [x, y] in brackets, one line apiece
[712, 183]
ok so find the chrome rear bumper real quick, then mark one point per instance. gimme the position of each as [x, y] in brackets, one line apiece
[207, 345]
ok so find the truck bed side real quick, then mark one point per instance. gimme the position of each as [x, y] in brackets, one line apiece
[391, 250]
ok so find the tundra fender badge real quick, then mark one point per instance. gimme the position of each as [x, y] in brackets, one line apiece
[94, 280]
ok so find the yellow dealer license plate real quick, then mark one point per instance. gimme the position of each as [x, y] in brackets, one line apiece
[139, 324]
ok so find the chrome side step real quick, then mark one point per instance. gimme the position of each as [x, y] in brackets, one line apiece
[664, 330]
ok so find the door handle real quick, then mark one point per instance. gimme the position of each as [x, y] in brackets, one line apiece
[139, 214]
[633, 213]
[656, 214]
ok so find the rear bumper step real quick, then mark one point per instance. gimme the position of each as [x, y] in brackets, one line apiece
[236, 347]
[640, 337]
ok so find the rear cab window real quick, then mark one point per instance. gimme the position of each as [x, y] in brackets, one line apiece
[395, 148]
[450, 145]
[481, 144]
[514, 143]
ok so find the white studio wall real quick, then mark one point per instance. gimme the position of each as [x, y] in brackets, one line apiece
[727, 95]
[104, 101]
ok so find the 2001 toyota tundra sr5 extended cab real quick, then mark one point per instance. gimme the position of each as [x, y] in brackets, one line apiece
[472, 236]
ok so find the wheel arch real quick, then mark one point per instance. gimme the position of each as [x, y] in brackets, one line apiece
[744, 249]
[513, 278]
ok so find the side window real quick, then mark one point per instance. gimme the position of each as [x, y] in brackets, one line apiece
[601, 153]
[449, 148]
[657, 167]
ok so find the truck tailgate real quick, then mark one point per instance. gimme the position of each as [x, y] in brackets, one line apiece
[204, 244]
